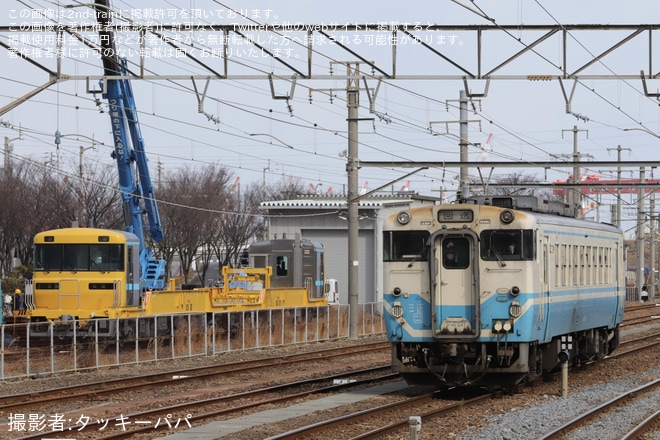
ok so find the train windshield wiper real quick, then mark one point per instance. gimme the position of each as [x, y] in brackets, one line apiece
[498, 256]
[413, 259]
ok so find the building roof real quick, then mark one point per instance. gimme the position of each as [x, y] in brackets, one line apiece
[323, 201]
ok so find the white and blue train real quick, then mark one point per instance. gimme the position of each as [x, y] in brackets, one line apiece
[494, 291]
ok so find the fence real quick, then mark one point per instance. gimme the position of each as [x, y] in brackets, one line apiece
[633, 294]
[35, 349]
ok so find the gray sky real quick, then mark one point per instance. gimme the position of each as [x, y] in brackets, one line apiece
[527, 119]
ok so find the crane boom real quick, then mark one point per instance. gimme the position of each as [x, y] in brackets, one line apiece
[135, 184]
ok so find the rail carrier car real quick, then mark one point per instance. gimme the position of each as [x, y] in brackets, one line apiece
[490, 291]
[83, 274]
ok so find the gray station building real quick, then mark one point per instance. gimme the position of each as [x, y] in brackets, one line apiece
[324, 219]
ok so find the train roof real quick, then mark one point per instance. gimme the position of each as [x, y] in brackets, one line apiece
[542, 208]
[82, 234]
[525, 203]
[280, 244]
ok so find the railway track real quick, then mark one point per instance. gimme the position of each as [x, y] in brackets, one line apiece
[641, 314]
[397, 424]
[11, 403]
[416, 405]
[231, 404]
[629, 398]
[201, 410]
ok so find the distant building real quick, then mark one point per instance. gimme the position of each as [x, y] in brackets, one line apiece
[324, 219]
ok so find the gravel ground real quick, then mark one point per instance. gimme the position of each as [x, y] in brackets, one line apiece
[532, 422]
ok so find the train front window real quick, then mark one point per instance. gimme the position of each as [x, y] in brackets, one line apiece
[507, 245]
[405, 245]
[107, 257]
[79, 257]
[48, 257]
[455, 253]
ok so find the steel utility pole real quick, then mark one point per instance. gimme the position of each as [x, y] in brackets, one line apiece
[617, 220]
[463, 143]
[353, 105]
[8, 147]
[639, 275]
[463, 133]
[575, 195]
[652, 245]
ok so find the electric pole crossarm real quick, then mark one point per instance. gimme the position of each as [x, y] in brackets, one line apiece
[527, 48]
[356, 55]
[438, 53]
[607, 51]
[12, 105]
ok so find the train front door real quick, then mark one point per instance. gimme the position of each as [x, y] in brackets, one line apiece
[455, 301]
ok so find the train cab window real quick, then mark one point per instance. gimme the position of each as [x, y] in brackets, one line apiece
[78, 257]
[48, 257]
[507, 245]
[408, 246]
[106, 257]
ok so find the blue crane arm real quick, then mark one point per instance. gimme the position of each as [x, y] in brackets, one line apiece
[146, 188]
[136, 188]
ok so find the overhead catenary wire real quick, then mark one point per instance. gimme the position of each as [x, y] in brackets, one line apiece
[366, 144]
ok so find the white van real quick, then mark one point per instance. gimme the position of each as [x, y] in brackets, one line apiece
[332, 291]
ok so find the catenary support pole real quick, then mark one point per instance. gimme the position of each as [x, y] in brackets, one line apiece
[353, 103]
[639, 275]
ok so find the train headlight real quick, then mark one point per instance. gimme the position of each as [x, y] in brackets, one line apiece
[498, 326]
[396, 291]
[507, 326]
[507, 216]
[403, 217]
[515, 290]
[397, 310]
[515, 310]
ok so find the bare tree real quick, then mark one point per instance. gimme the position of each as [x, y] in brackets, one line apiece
[203, 215]
[190, 199]
[239, 224]
[285, 189]
[13, 219]
[100, 198]
[517, 184]
[218, 195]
[44, 202]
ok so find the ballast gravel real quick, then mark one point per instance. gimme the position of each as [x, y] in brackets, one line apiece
[535, 421]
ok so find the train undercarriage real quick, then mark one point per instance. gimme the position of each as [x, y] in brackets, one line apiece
[497, 364]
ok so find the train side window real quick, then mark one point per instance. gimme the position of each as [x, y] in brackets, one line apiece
[282, 266]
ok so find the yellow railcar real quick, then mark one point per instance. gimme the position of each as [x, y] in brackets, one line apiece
[83, 274]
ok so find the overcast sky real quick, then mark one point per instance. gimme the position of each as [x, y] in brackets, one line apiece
[244, 129]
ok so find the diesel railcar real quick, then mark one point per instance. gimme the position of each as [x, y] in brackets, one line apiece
[489, 292]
